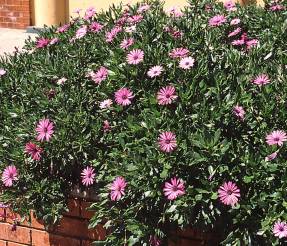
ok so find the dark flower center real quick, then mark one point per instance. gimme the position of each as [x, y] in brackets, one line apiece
[174, 188]
[124, 97]
[167, 95]
[229, 192]
[276, 139]
[167, 141]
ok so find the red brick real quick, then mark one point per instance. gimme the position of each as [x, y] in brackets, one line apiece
[13, 2]
[35, 223]
[10, 216]
[185, 242]
[74, 206]
[42, 238]
[21, 235]
[23, 20]
[2, 215]
[25, 2]
[15, 244]
[84, 212]
[21, 26]
[10, 25]
[67, 227]
[25, 8]
[87, 243]
[15, 13]
[4, 25]
[4, 14]
[3, 243]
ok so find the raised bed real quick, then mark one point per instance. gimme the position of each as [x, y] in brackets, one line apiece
[71, 231]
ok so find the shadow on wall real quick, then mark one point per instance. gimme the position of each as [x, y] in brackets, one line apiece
[49, 12]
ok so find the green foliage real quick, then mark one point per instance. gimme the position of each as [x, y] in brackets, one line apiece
[213, 145]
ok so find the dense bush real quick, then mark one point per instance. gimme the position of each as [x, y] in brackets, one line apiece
[167, 115]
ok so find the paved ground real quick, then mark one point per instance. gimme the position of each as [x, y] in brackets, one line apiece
[11, 38]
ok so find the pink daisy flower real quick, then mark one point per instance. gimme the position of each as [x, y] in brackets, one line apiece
[123, 96]
[186, 63]
[280, 229]
[276, 138]
[154, 241]
[88, 176]
[81, 32]
[143, 8]
[251, 43]
[96, 27]
[230, 6]
[135, 19]
[229, 193]
[261, 79]
[177, 34]
[174, 188]
[238, 42]
[235, 32]
[54, 41]
[130, 29]
[277, 7]
[118, 188]
[166, 95]
[45, 130]
[244, 36]
[110, 36]
[179, 53]
[135, 56]
[167, 142]
[100, 75]
[77, 11]
[2, 72]
[122, 20]
[90, 12]
[271, 156]
[106, 126]
[9, 175]
[63, 28]
[235, 21]
[106, 104]
[217, 20]
[155, 71]
[126, 43]
[174, 12]
[61, 81]
[239, 112]
[33, 150]
[42, 42]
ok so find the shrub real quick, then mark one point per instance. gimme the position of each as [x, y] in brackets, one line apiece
[174, 118]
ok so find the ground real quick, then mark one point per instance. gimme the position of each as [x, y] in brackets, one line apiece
[11, 38]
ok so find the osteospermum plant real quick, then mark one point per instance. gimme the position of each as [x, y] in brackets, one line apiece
[174, 117]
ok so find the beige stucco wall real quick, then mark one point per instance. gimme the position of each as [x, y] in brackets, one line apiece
[49, 12]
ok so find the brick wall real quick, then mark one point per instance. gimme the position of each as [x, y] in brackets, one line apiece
[15, 14]
[72, 230]
[193, 237]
